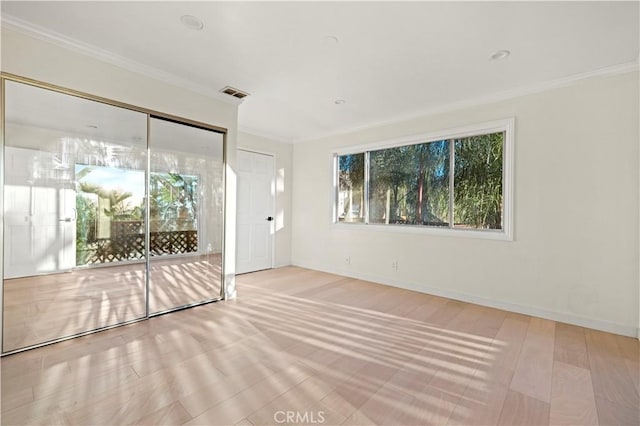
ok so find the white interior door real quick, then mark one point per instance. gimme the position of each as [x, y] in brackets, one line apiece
[255, 211]
[39, 214]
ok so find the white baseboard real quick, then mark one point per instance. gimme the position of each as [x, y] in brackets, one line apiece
[533, 311]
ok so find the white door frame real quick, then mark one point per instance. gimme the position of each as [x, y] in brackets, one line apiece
[274, 175]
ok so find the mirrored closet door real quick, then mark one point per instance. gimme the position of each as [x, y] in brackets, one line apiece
[74, 174]
[185, 215]
[110, 215]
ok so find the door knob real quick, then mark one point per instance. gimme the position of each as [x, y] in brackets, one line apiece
[269, 218]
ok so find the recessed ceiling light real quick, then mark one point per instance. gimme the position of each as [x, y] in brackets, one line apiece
[191, 22]
[330, 40]
[500, 54]
[339, 101]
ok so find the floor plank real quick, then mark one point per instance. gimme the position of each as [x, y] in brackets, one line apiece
[520, 409]
[570, 346]
[172, 414]
[484, 397]
[572, 399]
[617, 399]
[533, 372]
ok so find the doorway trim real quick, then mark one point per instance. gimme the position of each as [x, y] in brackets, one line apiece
[2, 131]
[274, 176]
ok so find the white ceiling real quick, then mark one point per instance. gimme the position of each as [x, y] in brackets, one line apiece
[393, 59]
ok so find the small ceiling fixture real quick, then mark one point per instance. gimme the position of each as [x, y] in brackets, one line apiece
[236, 93]
[191, 22]
[92, 126]
[330, 40]
[500, 54]
[339, 101]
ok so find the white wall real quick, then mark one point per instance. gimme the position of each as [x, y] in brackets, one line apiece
[34, 58]
[283, 153]
[576, 212]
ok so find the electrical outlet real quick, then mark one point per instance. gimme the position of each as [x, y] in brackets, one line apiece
[394, 265]
[348, 260]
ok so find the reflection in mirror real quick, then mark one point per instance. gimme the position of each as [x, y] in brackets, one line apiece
[74, 185]
[185, 215]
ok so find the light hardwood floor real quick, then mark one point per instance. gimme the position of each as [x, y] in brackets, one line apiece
[46, 307]
[328, 350]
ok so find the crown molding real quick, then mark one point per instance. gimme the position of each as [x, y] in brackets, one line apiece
[46, 35]
[618, 69]
[35, 31]
[260, 134]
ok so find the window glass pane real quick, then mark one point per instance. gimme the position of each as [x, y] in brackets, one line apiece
[390, 176]
[478, 182]
[351, 188]
[410, 185]
[434, 191]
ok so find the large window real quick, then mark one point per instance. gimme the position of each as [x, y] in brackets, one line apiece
[458, 180]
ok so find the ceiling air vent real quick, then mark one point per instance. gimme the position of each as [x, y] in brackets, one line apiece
[236, 93]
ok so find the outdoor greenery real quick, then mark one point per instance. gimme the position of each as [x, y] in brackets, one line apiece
[173, 206]
[411, 184]
[85, 227]
[173, 201]
[351, 187]
[478, 181]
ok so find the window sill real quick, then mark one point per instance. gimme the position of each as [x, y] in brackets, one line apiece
[483, 234]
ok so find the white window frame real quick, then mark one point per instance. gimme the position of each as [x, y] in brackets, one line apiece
[506, 125]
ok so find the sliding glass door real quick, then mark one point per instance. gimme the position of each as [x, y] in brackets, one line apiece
[110, 215]
[185, 215]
